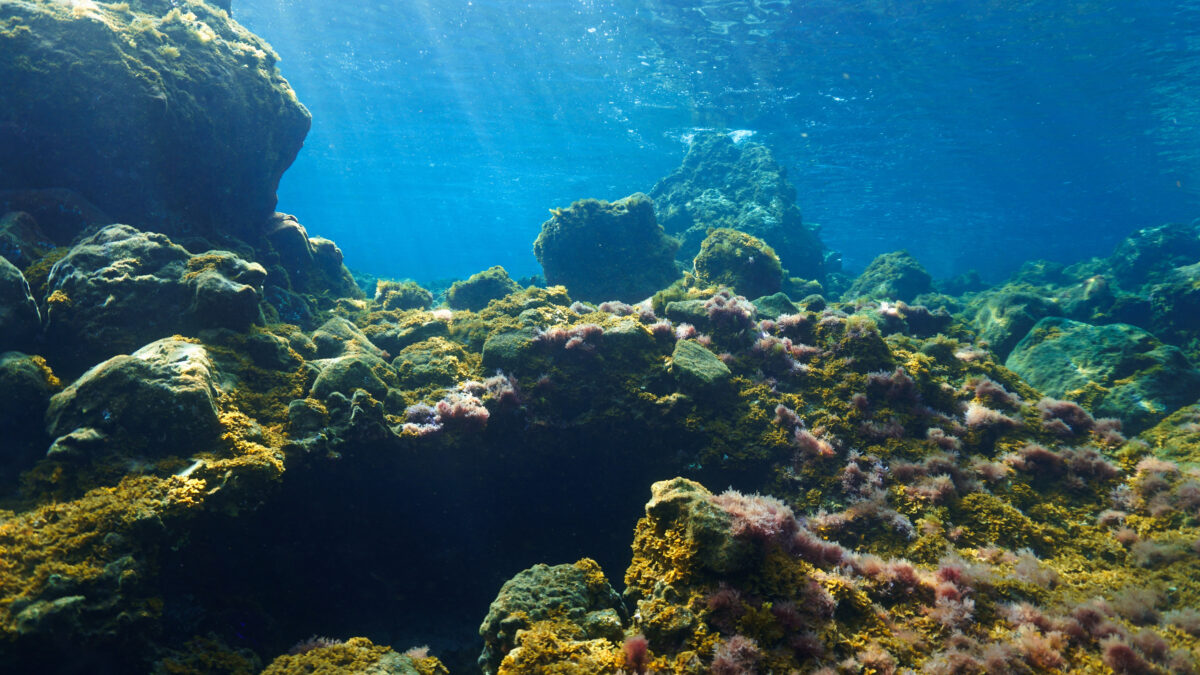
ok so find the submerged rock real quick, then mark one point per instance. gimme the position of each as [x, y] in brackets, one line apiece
[578, 594]
[20, 320]
[740, 186]
[120, 288]
[891, 276]
[740, 261]
[22, 242]
[160, 400]
[696, 367]
[1116, 370]
[189, 123]
[607, 251]
[481, 288]
[25, 388]
[306, 265]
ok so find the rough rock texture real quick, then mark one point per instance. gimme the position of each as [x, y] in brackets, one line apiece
[20, 320]
[356, 655]
[60, 214]
[1151, 252]
[120, 288]
[1004, 317]
[607, 251]
[164, 395]
[25, 388]
[891, 276]
[578, 593]
[22, 242]
[481, 288]
[737, 185]
[740, 261]
[188, 124]
[696, 367]
[1116, 370]
[307, 265]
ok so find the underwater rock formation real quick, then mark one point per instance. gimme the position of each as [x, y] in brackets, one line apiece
[577, 594]
[21, 240]
[607, 251]
[190, 125]
[891, 276]
[739, 186]
[161, 399]
[20, 321]
[120, 288]
[1115, 370]
[742, 262]
[26, 385]
[480, 288]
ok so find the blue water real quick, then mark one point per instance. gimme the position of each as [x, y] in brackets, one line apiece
[974, 134]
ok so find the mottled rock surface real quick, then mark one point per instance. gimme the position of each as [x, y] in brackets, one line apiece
[578, 593]
[607, 251]
[1116, 370]
[738, 185]
[891, 276]
[186, 111]
[120, 288]
[164, 395]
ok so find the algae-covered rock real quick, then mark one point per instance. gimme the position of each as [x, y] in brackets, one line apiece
[607, 251]
[891, 276]
[740, 261]
[189, 125]
[402, 295]
[696, 367]
[20, 320]
[481, 288]
[775, 305]
[159, 400]
[1151, 252]
[740, 186]
[1116, 370]
[120, 288]
[577, 593]
[356, 655]
[344, 374]
[339, 337]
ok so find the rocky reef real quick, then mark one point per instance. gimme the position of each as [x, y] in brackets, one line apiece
[216, 449]
[184, 109]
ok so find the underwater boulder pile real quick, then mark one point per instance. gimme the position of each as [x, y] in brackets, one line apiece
[220, 456]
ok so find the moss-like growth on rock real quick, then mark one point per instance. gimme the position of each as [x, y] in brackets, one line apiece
[891, 276]
[607, 251]
[740, 261]
[187, 109]
[480, 289]
[402, 295]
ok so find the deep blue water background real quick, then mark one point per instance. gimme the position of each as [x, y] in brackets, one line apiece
[974, 134]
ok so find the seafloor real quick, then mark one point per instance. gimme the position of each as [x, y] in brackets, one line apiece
[216, 448]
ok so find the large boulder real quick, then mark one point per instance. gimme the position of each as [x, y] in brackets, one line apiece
[307, 265]
[121, 288]
[1116, 370]
[159, 400]
[20, 320]
[181, 109]
[891, 276]
[577, 593]
[740, 261]
[723, 183]
[607, 251]
[1152, 252]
